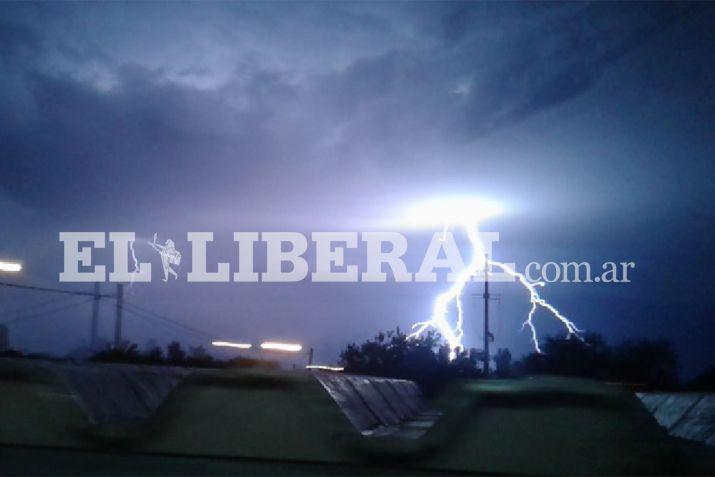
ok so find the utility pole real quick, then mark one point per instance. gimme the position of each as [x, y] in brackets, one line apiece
[486, 316]
[310, 356]
[95, 318]
[118, 319]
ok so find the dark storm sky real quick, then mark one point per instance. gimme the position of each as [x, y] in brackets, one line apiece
[593, 123]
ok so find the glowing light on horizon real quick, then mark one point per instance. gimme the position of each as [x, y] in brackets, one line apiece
[10, 266]
[277, 346]
[468, 213]
[229, 344]
[322, 367]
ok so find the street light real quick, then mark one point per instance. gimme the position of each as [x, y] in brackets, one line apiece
[322, 367]
[277, 346]
[229, 344]
[12, 267]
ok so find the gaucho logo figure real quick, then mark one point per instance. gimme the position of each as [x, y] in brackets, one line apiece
[169, 256]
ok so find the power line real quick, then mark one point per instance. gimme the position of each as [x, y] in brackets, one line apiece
[53, 290]
[152, 314]
[134, 309]
[40, 314]
[172, 330]
[25, 309]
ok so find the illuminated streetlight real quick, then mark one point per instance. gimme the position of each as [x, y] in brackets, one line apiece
[10, 266]
[276, 346]
[229, 344]
[322, 367]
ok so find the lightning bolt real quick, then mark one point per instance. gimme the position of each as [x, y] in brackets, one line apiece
[136, 263]
[480, 262]
[134, 257]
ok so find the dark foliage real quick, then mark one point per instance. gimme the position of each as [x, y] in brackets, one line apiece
[503, 363]
[11, 353]
[242, 362]
[197, 357]
[126, 353]
[571, 357]
[704, 381]
[155, 355]
[652, 363]
[648, 363]
[421, 359]
[175, 354]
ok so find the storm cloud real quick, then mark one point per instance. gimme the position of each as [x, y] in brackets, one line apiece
[584, 118]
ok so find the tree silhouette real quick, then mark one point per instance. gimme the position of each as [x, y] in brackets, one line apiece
[175, 354]
[652, 364]
[503, 363]
[423, 359]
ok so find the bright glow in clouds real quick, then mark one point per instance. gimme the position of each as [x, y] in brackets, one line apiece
[468, 213]
[276, 346]
[229, 344]
[10, 267]
[453, 210]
